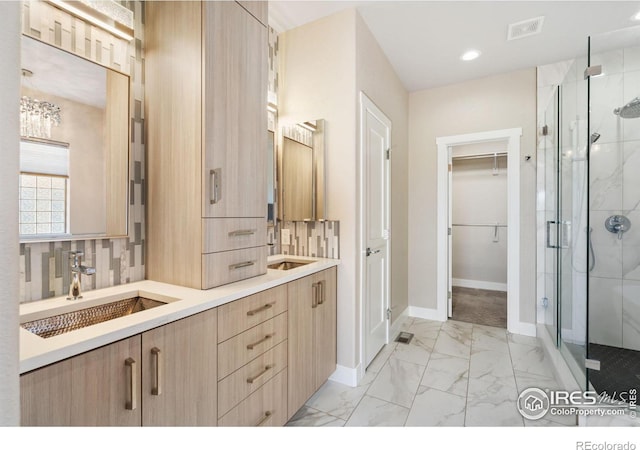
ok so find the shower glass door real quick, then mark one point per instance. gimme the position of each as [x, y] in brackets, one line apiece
[614, 212]
[550, 148]
[571, 224]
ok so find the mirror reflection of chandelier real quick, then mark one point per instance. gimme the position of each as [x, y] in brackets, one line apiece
[38, 117]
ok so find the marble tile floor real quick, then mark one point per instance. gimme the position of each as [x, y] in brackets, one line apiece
[450, 374]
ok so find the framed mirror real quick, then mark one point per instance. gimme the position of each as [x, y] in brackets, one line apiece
[301, 171]
[74, 150]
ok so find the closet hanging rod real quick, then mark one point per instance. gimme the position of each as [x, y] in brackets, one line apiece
[480, 155]
[492, 225]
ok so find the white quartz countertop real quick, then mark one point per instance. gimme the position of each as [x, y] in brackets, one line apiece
[36, 352]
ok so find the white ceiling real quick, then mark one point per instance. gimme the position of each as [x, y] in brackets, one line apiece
[63, 74]
[424, 40]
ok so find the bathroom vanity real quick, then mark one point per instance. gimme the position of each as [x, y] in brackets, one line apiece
[248, 353]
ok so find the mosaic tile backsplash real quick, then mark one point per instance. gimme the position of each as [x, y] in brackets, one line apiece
[44, 267]
[319, 239]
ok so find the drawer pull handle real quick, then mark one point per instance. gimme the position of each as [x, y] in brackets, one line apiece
[157, 390]
[266, 417]
[250, 380]
[241, 265]
[242, 233]
[265, 338]
[131, 403]
[253, 312]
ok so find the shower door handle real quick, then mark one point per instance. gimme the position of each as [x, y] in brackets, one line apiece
[562, 231]
[549, 222]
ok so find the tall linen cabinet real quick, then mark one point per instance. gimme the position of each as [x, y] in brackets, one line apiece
[206, 130]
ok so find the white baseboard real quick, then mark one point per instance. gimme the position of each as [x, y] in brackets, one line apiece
[395, 326]
[477, 284]
[346, 375]
[426, 313]
[526, 329]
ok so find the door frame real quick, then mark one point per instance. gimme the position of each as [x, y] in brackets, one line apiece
[512, 136]
[367, 104]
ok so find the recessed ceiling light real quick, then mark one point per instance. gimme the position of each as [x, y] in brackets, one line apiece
[470, 55]
[636, 16]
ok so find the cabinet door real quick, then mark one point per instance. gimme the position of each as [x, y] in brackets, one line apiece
[235, 114]
[179, 381]
[45, 396]
[324, 328]
[302, 382]
[97, 388]
[105, 385]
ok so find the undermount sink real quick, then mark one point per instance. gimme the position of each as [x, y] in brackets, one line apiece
[74, 320]
[286, 265]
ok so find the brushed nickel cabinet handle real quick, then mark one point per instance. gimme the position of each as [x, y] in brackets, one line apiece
[266, 417]
[157, 390]
[320, 292]
[314, 295]
[241, 265]
[265, 338]
[253, 312]
[216, 180]
[267, 368]
[131, 404]
[241, 233]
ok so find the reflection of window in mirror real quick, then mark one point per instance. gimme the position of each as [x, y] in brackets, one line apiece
[73, 107]
[44, 182]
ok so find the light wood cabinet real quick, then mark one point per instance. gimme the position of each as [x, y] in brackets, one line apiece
[205, 118]
[312, 335]
[97, 388]
[252, 360]
[179, 363]
[165, 376]
[258, 9]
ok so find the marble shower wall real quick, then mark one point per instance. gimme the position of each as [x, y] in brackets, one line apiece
[614, 188]
[44, 267]
[614, 283]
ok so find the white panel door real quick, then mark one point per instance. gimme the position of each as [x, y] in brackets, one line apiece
[375, 142]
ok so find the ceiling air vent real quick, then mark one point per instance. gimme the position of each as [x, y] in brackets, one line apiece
[525, 28]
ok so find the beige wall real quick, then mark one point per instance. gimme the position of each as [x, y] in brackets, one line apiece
[492, 103]
[479, 197]
[9, 151]
[317, 81]
[377, 79]
[323, 66]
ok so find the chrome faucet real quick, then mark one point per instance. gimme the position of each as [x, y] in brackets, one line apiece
[77, 270]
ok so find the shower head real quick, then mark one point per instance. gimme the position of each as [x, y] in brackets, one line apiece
[594, 137]
[629, 111]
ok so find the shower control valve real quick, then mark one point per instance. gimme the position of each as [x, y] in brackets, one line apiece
[617, 224]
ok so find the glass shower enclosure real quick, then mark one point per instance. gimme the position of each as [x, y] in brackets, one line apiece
[591, 149]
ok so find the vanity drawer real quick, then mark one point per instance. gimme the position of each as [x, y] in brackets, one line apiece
[265, 407]
[236, 317]
[249, 378]
[221, 235]
[227, 267]
[239, 350]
